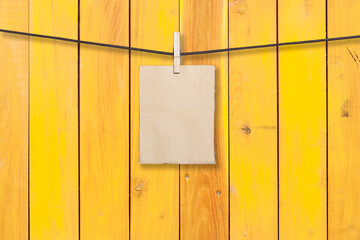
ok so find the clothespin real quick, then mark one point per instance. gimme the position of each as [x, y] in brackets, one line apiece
[177, 51]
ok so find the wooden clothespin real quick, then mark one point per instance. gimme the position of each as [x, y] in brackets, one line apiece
[177, 52]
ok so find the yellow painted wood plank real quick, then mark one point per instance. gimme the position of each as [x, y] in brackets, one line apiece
[53, 121]
[344, 121]
[204, 188]
[253, 121]
[14, 121]
[302, 121]
[154, 188]
[104, 121]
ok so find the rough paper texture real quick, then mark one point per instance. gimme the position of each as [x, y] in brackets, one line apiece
[177, 115]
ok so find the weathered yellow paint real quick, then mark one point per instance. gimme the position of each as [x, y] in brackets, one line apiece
[344, 124]
[154, 188]
[53, 122]
[302, 121]
[104, 121]
[204, 196]
[253, 121]
[14, 121]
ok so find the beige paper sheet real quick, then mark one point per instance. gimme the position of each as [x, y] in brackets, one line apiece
[177, 115]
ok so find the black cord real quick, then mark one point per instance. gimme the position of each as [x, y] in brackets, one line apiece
[183, 53]
[272, 45]
[86, 42]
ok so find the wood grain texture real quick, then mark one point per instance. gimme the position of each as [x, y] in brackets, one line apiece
[104, 121]
[253, 121]
[302, 121]
[344, 121]
[154, 188]
[204, 195]
[39, 86]
[14, 121]
[53, 121]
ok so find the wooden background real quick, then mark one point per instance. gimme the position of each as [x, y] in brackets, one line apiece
[287, 122]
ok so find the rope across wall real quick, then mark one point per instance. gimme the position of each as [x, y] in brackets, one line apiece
[183, 53]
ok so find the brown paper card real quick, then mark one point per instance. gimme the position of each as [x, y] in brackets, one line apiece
[177, 115]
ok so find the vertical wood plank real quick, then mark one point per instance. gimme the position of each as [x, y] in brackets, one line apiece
[204, 195]
[53, 121]
[253, 121]
[344, 121]
[104, 121]
[14, 121]
[154, 188]
[302, 121]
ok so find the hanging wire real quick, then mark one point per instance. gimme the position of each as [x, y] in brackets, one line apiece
[86, 42]
[183, 53]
